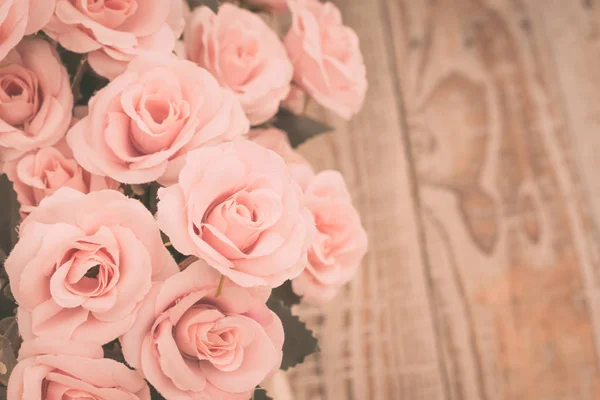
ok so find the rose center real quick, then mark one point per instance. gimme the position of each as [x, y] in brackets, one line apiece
[245, 207]
[159, 109]
[204, 333]
[215, 342]
[95, 282]
[110, 13]
[55, 171]
[240, 53]
[19, 95]
[247, 49]
[93, 272]
[243, 212]
[13, 88]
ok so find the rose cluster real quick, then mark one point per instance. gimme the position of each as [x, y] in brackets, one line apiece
[159, 214]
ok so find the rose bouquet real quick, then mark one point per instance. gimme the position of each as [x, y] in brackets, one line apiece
[157, 224]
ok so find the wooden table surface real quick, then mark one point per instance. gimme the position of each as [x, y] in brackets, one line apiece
[475, 166]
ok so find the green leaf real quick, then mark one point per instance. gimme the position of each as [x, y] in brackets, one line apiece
[9, 215]
[261, 394]
[8, 293]
[113, 351]
[286, 294]
[7, 304]
[212, 4]
[9, 328]
[152, 197]
[299, 128]
[84, 80]
[8, 360]
[299, 340]
[154, 395]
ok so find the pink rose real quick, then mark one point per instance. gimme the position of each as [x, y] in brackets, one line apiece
[40, 173]
[277, 140]
[244, 54]
[83, 264]
[61, 370]
[191, 343]
[35, 99]
[114, 32]
[237, 207]
[274, 6]
[328, 64]
[340, 243]
[141, 125]
[22, 17]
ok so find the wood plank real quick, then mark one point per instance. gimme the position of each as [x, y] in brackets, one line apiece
[571, 32]
[378, 339]
[507, 237]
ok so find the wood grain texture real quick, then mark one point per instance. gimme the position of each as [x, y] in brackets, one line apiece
[378, 337]
[507, 236]
[474, 166]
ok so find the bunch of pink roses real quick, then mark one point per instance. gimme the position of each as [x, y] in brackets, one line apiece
[166, 222]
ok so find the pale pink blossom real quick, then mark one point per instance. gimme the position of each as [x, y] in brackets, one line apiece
[244, 54]
[142, 124]
[59, 370]
[112, 33]
[328, 63]
[192, 343]
[237, 207]
[35, 99]
[42, 172]
[83, 264]
[22, 17]
[340, 243]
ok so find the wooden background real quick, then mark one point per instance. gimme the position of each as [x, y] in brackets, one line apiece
[475, 167]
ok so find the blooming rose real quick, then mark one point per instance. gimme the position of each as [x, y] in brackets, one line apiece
[274, 6]
[22, 17]
[191, 343]
[83, 264]
[328, 64]
[40, 173]
[114, 32]
[244, 54]
[237, 207]
[61, 370]
[35, 99]
[277, 140]
[147, 119]
[340, 243]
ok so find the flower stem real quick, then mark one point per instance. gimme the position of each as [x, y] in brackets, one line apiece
[306, 104]
[78, 76]
[220, 287]
[79, 72]
[187, 262]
